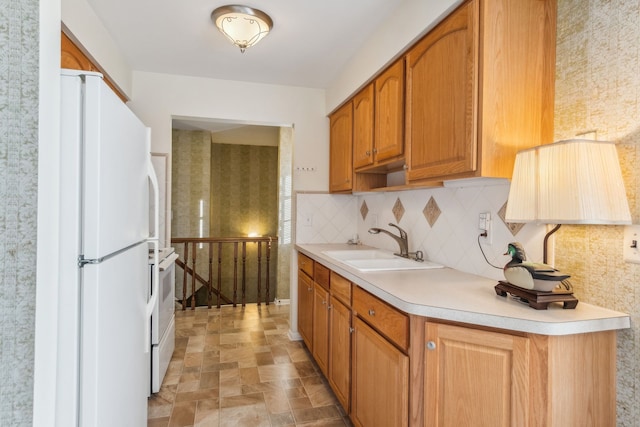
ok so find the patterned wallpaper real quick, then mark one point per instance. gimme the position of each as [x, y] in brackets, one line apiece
[598, 92]
[18, 206]
[190, 183]
[244, 190]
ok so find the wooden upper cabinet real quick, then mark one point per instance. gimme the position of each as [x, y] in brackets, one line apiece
[378, 120]
[479, 89]
[441, 94]
[363, 127]
[341, 149]
[389, 113]
[73, 58]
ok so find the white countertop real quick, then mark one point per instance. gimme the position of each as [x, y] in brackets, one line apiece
[449, 294]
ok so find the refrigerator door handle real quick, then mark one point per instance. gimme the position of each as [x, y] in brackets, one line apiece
[82, 261]
[155, 241]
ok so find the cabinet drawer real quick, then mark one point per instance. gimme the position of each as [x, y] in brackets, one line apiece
[305, 264]
[321, 275]
[341, 288]
[387, 320]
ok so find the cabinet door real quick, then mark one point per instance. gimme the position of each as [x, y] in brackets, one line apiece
[363, 128]
[340, 151]
[305, 308]
[441, 106]
[475, 377]
[389, 117]
[380, 380]
[321, 327]
[340, 351]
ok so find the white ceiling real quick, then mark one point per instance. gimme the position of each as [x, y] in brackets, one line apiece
[310, 43]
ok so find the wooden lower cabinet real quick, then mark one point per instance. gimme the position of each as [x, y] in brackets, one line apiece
[305, 308]
[321, 327]
[475, 377]
[388, 368]
[488, 378]
[339, 375]
[380, 380]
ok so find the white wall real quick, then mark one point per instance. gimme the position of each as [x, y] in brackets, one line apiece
[85, 26]
[159, 97]
[409, 22]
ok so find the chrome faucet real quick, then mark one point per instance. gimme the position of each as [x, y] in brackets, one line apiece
[403, 240]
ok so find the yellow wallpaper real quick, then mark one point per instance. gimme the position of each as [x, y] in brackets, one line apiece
[597, 88]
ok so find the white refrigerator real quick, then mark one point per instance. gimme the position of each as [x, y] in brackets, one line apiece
[105, 300]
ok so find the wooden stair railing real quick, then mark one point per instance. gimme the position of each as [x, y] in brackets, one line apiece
[190, 249]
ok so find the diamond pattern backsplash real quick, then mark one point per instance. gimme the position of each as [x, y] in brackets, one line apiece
[431, 211]
[364, 210]
[441, 222]
[398, 210]
[514, 227]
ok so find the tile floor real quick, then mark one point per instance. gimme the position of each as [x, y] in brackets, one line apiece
[237, 367]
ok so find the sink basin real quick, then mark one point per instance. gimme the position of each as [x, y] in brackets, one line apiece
[378, 260]
[355, 254]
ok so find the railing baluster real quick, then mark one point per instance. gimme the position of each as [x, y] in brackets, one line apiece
[235, 273]
[209, 282]
[259, 270]
[193, 278]
[219, 272]
[268, 264]
[244, 273]
[184, 276]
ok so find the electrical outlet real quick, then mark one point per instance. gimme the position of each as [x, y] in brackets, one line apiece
[631, 244]
[484, 226]
[308, 220]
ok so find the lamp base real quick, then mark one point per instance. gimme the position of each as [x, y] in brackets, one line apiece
[538, 299]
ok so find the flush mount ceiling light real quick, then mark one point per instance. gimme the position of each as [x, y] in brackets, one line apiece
[242, 25]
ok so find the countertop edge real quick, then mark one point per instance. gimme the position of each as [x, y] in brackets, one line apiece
[596, 319]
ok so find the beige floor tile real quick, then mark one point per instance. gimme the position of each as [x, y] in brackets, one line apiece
[183, 414]
[237, 367]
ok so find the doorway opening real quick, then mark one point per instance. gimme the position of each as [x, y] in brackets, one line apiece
[233, 180]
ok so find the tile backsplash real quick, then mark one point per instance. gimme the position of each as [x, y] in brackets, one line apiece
[441, 222]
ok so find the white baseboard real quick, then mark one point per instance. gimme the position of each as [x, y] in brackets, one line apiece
[294, 336]
[281, 301]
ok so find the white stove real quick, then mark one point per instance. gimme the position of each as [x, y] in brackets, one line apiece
[163, 327]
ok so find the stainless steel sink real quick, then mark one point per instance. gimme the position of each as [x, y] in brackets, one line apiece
[378, 260]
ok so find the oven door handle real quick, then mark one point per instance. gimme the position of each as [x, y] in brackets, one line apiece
[154, 240]
[168, 261]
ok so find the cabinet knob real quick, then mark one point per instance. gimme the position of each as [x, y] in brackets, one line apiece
[368, 153]
[372, 312]
[431, 345]
[375, 151]
[351, 330]
[405, 167]
[329, 307]
[323, 302]
[309, 289]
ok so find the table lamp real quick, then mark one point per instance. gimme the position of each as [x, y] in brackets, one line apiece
[576, 181]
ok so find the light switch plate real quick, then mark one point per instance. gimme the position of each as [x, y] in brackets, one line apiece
[631, 244]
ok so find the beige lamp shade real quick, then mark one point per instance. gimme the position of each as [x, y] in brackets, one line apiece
[568, 182]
